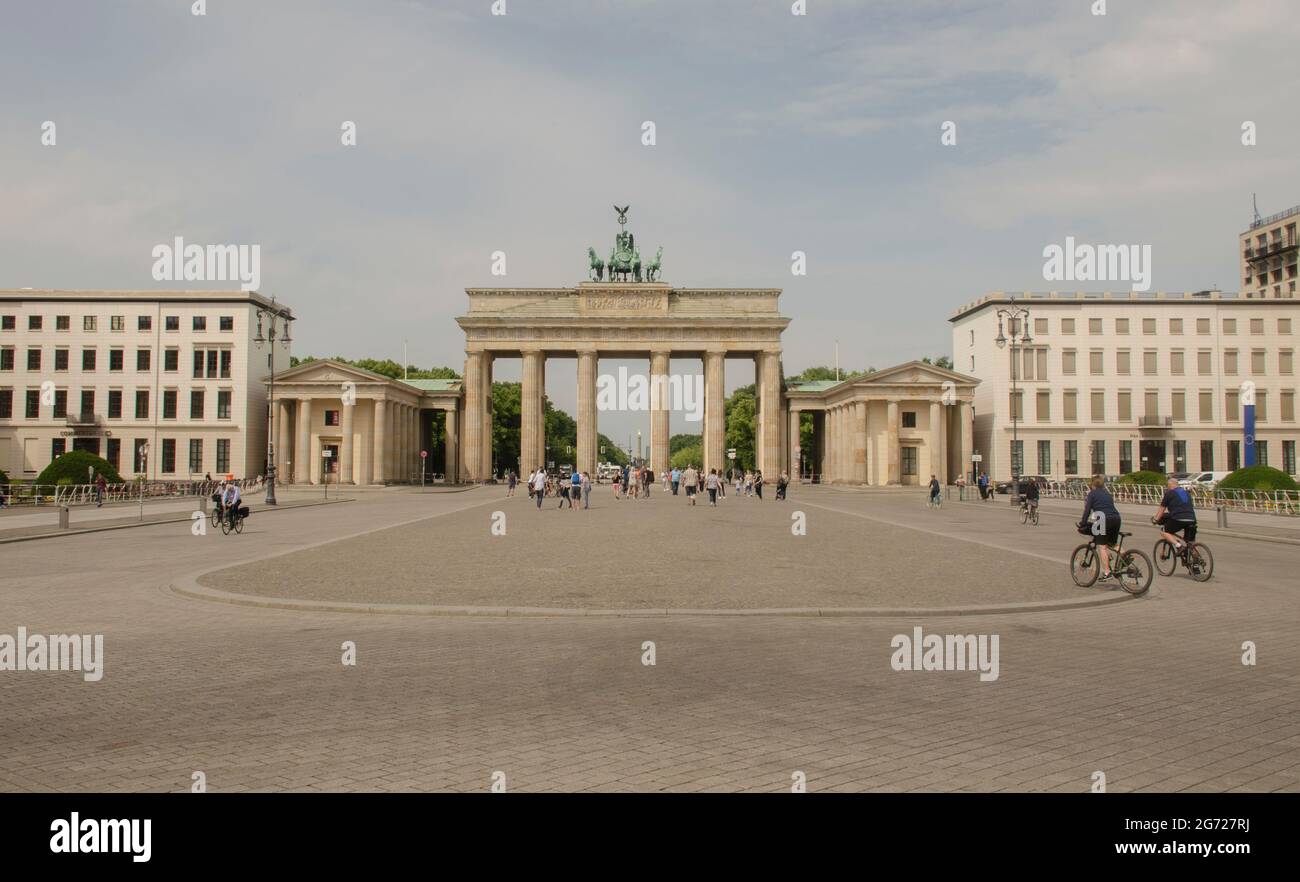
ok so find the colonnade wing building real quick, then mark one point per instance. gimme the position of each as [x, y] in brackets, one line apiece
[895, 426]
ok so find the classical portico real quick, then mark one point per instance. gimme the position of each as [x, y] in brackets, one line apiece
[896, 426]
[595, 320]
[372, 426]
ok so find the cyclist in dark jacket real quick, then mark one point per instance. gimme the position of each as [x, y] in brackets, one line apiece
[1101, 519]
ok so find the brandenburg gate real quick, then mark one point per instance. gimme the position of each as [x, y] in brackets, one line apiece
[625, 320]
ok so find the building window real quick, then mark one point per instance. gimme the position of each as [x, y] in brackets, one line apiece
[1044, 407]
[1094, 326]
[171, 323]
[1207, 456]
[7, 358]
[1098, 406]
[1257, 362]
[89, 322]
[60, 359]
[1234, 455]
[1094, 362]
[227, 322]
[1175, 326]
[1148, 326]
[1125, 457]
[1044, 457]
[63, 323]
[117, 323]
[1229, 326]
[61, 404]
[1257, 326]
[1286, 362]
[1149, 362]
[142, 404]
[138, 456]
[1231, 409]
[34, 322]
[196, 455]
[114, 404]
[32, 405]
[171, 360]
[1203, 362]
[1017, 405]
[1180, 456]
[144, 323]
[33, 359]
[1176, 362]
[1067, 326]
[115, 357]
[1099, 457]
[6, 404]
[200, 323]
[1017, 457]
[1124, 409]
[1205, 406]
[1288, 406]
[1040, 327]
[1261, 407]
[1288, 457]
[1230, 362]
[1122, 362]
[142, 359]
[1261, 453]
[909, 418]
[58, 447]
[225, 364]
[1121, 326]
[909, 461]
[1203, 326]
[169, 404]
[1284, 326]
[8, 322]
[1070, 409]
[114, 453]
[1072, 457]
[223, 404]
[88, 359]
[1068, 362]
[169, 456]
[223, 455]
[87, 402]
[196, 404]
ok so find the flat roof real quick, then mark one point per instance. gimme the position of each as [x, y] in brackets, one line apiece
[230, 295]
[1118, 298]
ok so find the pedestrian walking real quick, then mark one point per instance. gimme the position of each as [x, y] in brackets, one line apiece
[711, 485]
[691, 478]
[586, 490]
[575, 490]
[781, 484]
[666, 480]
[100, 486]
[511, 480]
[676, 477]
[538, 484]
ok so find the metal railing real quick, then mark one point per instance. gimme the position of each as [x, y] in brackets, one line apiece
[130, 491]
[1264, 221]
[1278, 502]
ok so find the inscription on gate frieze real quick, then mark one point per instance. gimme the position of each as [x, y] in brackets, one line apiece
[625, 302]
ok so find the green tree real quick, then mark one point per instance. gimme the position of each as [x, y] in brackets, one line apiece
[740, 411]
[942, 361]
[386, 367]
[677, 442]
[71, 467]
[691, 454]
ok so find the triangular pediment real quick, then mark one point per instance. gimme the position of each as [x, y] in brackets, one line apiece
[326, 370]
[915, 373]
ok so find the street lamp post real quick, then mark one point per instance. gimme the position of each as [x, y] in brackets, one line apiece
[277, 319]
[1019, 319]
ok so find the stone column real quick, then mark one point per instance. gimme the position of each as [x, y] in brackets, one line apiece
[715, 424]
[541, 410]
[588, 450]
[821, 425]
[966, 417]
[659, 404]
[936, 443]
[891, 444]
[473, 429]
[379, 445]
[860, 442]
[530, 400]
[451, 464]
[770, 416]
[832, 438]
[794, 446]
[345, 449]
[302, 454]
[283, 446]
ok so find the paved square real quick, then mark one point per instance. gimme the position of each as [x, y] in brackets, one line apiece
[1152, 692]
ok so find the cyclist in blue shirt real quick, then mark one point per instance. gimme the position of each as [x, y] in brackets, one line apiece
[1176, 515]
[1100, 506]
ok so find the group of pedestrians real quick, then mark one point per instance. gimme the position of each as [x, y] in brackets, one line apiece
[568, 490]
[633, 482]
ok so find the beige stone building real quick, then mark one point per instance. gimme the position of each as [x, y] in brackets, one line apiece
[1114, 382]
[1269, 251]
[164, 384]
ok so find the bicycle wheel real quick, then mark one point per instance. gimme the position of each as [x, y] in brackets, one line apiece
[1200, 562]
[1134, 572]
[1083, 566]
[239, 525]
[1034, 516]
[1166, 559]
[216, 518]
[225, 526]
[1024, 515]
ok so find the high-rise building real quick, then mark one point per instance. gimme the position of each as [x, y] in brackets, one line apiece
[1268, 256]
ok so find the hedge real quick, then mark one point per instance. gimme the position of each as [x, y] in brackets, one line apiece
[1257, 477]
[74, 466]
[1149, 479]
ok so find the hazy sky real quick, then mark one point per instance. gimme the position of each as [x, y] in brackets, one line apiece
[517, 133]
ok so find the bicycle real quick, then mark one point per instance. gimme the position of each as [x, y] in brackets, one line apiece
[1194, 556]
[238, 522]
[1132, 569]
[934, 501]
[218, 514]
[1028, 513]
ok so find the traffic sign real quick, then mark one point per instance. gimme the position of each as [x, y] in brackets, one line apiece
[424, 454]
[977, 458]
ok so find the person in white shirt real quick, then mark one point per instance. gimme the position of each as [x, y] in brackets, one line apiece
[539, 486]
[230, 501]
[690, 478]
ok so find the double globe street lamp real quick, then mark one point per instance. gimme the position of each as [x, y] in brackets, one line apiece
[276, 319]
[1018, 318]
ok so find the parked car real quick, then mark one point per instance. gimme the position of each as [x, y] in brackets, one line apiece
[1206, 480]
[1005, 486]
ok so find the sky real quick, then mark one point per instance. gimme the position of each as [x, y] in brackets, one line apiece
[775, 133]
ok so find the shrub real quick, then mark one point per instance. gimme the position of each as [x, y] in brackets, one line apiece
[1149, 479]
[73, 466]
[1257, 477]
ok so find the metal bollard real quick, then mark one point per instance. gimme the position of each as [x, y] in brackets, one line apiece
[203, 503]
[63, 517]
[1221, 515]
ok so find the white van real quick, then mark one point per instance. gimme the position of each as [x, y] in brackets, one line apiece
[1206, 480]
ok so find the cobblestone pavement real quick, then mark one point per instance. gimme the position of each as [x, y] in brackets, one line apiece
[1153, 692]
